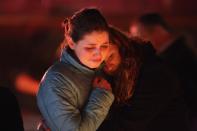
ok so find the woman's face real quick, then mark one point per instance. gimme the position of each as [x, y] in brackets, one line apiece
[92, 49]
[113, 60]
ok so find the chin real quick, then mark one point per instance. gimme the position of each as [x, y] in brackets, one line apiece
[94, 66]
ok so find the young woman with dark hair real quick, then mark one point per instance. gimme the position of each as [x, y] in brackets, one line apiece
[65, 98]
[147, 94]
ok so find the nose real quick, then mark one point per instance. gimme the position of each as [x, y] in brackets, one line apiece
[97, 53]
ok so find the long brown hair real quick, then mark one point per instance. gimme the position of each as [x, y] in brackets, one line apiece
[131, 60]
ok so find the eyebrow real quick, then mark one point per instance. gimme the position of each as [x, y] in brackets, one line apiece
[92, 44]
[106, 43]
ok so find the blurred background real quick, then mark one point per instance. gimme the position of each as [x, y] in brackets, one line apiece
[31, 32]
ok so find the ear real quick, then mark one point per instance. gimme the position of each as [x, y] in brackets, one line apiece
[70, 42]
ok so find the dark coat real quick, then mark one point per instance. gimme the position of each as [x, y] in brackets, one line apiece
[180, 59]
[10, 114]
[156, 105]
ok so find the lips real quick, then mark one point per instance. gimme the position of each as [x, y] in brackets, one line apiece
[96, 60]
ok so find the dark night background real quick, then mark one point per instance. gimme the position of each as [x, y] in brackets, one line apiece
[30, 34]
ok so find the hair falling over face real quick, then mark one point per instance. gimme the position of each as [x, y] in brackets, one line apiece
[131, 60]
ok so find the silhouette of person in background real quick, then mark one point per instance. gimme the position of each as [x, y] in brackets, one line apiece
[175, 52]
[11, 118]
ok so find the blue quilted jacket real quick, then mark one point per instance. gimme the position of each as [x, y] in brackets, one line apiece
[67, 100]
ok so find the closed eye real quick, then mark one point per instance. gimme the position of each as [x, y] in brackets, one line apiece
[89, 48]
[104, 46]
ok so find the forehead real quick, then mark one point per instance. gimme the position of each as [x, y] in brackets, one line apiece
[96, 37]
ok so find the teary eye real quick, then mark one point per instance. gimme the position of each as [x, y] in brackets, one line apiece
[89, 48]
[104, 46]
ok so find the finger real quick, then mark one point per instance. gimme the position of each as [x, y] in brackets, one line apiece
[99, 80]
[95, 80]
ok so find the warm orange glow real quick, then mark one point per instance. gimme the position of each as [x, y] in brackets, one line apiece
[134, 30]
[26, 84]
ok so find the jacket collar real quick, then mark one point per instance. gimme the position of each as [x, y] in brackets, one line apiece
[67, 58]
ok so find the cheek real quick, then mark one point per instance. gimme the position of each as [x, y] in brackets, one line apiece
[118, 60]
[116, 63]
[85, 55]
[105, 54]
[80, 51]
[107, 51]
